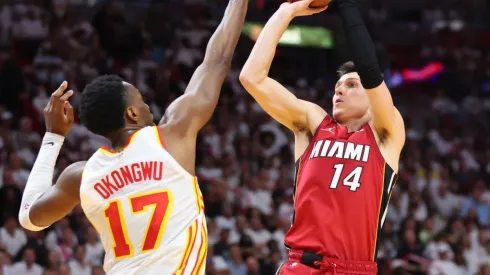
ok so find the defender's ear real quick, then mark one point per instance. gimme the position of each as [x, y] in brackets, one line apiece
[132, 114]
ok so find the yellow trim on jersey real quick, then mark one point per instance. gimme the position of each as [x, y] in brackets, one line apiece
[188, 236]
[158, 136]
[105, 151]
[196, 193]
[166, 216]
[204, 246]
[379, 210]
[201, 254]
[123, 228]
[189, 249]
[109, 152]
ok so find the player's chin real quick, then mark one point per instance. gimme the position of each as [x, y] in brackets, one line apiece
[337, 114]
[341, 114]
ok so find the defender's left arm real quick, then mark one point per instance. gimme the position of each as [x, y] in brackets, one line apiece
[44, 203]
[387, 120]
[191, 111]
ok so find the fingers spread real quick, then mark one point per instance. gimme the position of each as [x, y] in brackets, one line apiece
[60, 90]
[66, 96]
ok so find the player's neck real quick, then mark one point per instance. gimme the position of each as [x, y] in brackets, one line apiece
[355, 125]
[120, 138]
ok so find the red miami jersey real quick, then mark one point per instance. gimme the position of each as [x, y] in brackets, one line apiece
[341, 194]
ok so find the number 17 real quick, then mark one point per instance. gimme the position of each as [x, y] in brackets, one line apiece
[162, 203]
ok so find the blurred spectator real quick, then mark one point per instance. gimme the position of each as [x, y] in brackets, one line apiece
[476, 203]
[445, 201]
[78, 265]
[28, 265]
[236, 264]
[439, 213]
[54, 260]
[19, 174]
[94, 250]
[12, 238]
[5, 262]
[444, 265]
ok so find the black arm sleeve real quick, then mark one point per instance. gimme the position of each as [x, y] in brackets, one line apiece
[361, 45]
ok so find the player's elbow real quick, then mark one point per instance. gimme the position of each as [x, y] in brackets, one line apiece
[248, 82]
[26, 223]
[245, 78]
[249, 78]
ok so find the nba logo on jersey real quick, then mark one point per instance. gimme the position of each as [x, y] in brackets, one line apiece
[147, 209]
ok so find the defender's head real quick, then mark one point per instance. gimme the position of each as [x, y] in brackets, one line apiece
[350, 101]
[109, 104]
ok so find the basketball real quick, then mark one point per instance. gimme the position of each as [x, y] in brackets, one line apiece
[316, 3]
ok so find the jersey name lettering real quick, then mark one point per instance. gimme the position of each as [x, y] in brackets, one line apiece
[129, 174]
[340, 149]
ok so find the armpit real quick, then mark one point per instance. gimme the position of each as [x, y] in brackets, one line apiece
[300, 127]
[383, 135]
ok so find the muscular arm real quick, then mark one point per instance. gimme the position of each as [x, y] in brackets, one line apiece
[274, 98]
[44, 203]
[59, 199]
[191, 111]
[387, 121]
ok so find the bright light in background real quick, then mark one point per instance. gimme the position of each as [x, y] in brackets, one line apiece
[407, 75]
[298, 36]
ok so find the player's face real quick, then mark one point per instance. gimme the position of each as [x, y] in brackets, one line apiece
[350, 101]
[138, 112]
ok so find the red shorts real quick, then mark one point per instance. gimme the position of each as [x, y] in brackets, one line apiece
[306, 263]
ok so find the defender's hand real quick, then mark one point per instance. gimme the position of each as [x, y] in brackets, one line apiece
[301, 8]
[58, 114]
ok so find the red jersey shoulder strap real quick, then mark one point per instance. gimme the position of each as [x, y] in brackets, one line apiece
[327, 120]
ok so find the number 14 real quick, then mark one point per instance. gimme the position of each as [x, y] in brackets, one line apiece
[351, 180]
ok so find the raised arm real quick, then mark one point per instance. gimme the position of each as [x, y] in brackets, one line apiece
[44, 203]
[274, 98]
[191, 111]
[387, 121]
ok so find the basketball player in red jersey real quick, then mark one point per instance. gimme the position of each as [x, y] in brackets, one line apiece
[346, 163]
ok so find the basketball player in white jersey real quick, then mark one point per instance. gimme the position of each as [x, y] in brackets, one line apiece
[141, 195]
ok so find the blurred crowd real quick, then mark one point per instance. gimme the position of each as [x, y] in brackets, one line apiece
[439, 217]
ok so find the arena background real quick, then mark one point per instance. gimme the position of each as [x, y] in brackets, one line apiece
[436, 59]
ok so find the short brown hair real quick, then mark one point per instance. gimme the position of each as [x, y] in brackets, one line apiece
[347, 67]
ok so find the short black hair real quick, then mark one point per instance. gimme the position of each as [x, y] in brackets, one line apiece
[347, 67]
[102, 105]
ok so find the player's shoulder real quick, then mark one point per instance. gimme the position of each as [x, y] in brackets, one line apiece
[315, 115]
[314, 108]
[71, 178]
[74, 170]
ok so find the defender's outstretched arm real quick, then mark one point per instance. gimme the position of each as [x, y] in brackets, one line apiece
[276, 100]
[191, 111]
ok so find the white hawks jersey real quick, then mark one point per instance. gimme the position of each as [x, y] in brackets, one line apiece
[147, 209]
